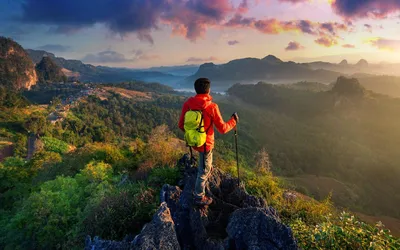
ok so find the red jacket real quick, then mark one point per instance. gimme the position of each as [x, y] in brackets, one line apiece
[212, 116]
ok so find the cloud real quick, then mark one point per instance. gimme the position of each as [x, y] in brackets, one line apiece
[199, 59]
[233, 42]
[293, 1]
[294, 46]
[326, 41]
[239, 21]
[243, 7]
[54, 48]
[189, 18]
[385, 44]
[327, 30]
[368, 27]
[141, 55]
[349, 46]
[332, 28]
[107, 56]
[355, 9]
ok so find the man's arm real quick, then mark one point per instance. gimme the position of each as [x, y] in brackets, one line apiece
[222, 127]
[185, 108]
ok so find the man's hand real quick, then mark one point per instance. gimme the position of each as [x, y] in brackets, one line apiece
[236, 117]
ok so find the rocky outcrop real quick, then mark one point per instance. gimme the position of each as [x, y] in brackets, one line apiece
[48, 71]
[235, 219]
[16, 69]
[348, 87]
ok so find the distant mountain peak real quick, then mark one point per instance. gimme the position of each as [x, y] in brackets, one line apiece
[362, 63]
[272, 59]
[48, 71]
[348, 87]
[344, 62]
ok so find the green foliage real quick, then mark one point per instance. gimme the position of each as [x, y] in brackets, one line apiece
[97, 171]
[121, 213]
[21, 142]
[11, 99]
[37, 123]
[43, 160]
[352, 138]
[54, 145]
[164, 175]
[48, 71]
[12, 171]
[104, 121]
[145, 87]
[45, 93]
[343, 232]
[49, 216]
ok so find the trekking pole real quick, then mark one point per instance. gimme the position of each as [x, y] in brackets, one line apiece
[237, 154]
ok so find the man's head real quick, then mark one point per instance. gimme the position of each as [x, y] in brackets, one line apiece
[202, 86]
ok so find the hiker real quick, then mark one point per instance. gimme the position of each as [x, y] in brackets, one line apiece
[204, 114]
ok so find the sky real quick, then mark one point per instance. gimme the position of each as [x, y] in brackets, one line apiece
[146, 33]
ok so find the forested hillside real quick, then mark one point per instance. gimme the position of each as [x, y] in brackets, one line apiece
[99, 170]
[347, 133]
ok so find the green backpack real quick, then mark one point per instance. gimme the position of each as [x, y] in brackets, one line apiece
[195, 133]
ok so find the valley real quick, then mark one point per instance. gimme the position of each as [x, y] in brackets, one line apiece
[97, 144]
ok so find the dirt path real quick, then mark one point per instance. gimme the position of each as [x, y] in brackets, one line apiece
[6, 151]
[31, 146]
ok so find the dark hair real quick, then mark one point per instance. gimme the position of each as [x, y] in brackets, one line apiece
[202, 85]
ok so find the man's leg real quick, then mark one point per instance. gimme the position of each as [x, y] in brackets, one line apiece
[203, 172]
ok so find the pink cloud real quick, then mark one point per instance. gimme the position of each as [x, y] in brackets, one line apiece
[385, 44]
[348, 46]
[201, 59]
[294, 46]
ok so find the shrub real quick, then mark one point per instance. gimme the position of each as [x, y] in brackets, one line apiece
[97, 171]
[108, 153]
[164, 175]
[47, 215]
[55, 145]
[121, 213]
[42, 160]
[343, 232]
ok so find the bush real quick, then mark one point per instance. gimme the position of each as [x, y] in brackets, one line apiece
[46, 216]
[162, 150]
[343, 232]
[97, 171]
[50, 217]
[55, 145]
[165, 175]
[121, 213]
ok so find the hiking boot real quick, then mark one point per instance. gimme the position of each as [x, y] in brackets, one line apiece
[203, 201]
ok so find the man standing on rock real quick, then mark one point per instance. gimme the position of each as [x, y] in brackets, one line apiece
[202, 102]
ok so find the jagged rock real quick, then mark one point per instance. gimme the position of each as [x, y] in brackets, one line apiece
[235, 219]
[97, 243]
[258, 228]
[159, 233]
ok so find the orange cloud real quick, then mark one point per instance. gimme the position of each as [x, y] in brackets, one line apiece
[348, 46]
[326, 41]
